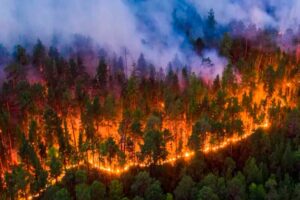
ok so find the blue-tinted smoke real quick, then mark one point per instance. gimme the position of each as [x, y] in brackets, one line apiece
[161, 30]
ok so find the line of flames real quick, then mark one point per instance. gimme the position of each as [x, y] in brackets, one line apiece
[185, 155]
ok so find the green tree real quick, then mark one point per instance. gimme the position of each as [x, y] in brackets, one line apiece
[20, 55]
[154, 147]
[62, 194]
[39, 54]
[196, 139]
[292, 124]
[216, 83]
[154, 192]
[138, 198]
[236, 187]
[229, 167]
[296, 193]
[87, 119]
[211, 181]
[98, 190]
[184, 189]
[10, 185]
[17, 182]
[32, 132]
[207, 193]
[109, 148]
[257, 192]
[142, 66]
[109, 108]
[97, 111]
[141, 183]
[28, 154]
[252, 171]
[21, 177]
[226, 45]
[210, 28]
[40, 180]
[169, 196]
[53, 127]
[269, 76]
[115, 190]
[83, 192]
[15, 72]
[154, 123]
[287, 160]
[80, 176]
[51, 191]
[229, 82]
[102, 74]
[54, 163]
[271, 186]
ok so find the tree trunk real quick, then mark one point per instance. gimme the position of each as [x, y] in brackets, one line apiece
[9, 132]
[73, 133]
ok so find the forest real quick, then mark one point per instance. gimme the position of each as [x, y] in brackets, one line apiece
[144, 132]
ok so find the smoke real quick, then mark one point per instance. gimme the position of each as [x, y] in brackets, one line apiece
[108, 23]
[161, 30]
[212, 64]
[280, 14]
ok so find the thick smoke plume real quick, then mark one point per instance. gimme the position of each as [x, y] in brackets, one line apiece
[156, 28]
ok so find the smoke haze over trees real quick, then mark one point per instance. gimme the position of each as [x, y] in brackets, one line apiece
[159, 30]
[149, 99]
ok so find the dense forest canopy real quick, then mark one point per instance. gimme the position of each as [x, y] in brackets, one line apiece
[219, 120]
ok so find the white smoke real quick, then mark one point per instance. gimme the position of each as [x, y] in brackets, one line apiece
[140, 26]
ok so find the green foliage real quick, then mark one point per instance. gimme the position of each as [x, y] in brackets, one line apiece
[33, 131]
[210, 28]
[39, 54]
[80, 176]
[17, 182]
[20, 55]
[252, 171]
[154, 146]
[83, 192]
[207, 193]
[169, 196]
[296, 193]
[200, 128]
[109, 108]
[229, 82]
[53, 128]
[292, 124]
[40, 180]
[154, 191]
[236, 187]
[184, 189]
[15, 72]
[51, 192]
[54, 163]
[98, 190]
[226, 45]
[155, 112]
[115, 190]
[109, 148]
[101, 75]
[256, 192]
[141, 183]
[62, 194]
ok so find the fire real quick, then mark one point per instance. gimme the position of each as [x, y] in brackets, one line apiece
[266, 125]
[207, 149]
[180, 129]
[263, 99]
